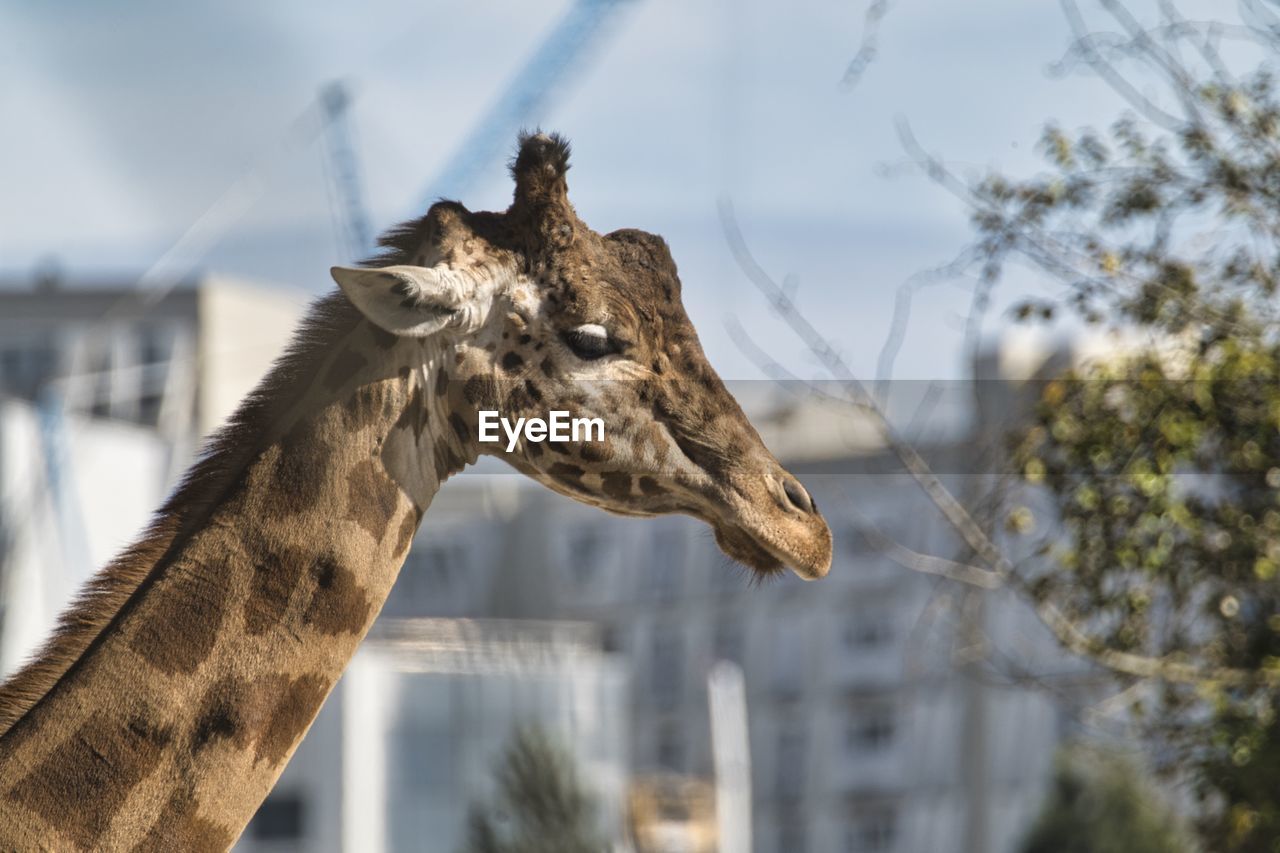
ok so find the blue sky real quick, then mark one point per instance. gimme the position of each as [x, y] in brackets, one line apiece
[125, 121]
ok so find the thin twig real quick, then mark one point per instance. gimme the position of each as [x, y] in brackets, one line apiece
[1167, 668]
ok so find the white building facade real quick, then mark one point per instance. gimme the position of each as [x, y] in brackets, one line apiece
[413, 734]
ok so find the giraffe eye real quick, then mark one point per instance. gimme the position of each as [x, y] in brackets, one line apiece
[590, 342]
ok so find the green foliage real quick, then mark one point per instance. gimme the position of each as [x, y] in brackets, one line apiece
[1163, 472]
[1164, 467]
[540, 806]
[1099, 805]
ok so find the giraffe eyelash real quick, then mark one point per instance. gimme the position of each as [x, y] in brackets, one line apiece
[591, 341]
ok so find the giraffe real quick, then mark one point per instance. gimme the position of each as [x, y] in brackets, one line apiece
[174, 691]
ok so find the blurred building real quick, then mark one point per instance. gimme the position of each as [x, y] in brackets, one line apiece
[70, 497]
[411, 737]
[876, 723]
[105, 390]
[178, 360]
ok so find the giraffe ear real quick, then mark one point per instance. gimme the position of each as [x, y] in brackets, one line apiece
[408, 300]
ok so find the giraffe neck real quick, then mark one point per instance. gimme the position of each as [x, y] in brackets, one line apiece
[167, 728]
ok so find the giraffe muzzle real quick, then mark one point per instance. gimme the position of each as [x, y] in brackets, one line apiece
[775, 524]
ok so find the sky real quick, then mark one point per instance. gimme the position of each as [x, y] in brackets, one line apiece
[126, 121]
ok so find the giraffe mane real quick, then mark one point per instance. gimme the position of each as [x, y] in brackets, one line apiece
[400, 243]
[108, 594]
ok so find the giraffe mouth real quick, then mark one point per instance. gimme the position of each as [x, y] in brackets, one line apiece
[739, 545]
[765, 552]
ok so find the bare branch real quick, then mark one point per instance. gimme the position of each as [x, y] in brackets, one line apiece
[1168, 668]
[867, 48]
[1086, 49]
[926, 563]
[949, 271]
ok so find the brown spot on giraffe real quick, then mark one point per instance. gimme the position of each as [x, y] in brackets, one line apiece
[408, 527]
[447, 460]
[236, 709]
[518, 402]
[301, 469]
[616, 484]
[383, 340]
[86, 779]
[460, 428]
[180, 827]
[344, 368]
[368, 405]
[656, 438]
[414, 415]
[177, 630]
[596, 451]
[292, 714]
[481, 392]
[650, 487]
[339, 604]
[277, 571]
[371, 497]
[570, 475]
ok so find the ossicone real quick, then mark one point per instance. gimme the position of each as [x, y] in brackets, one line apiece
[539, 168]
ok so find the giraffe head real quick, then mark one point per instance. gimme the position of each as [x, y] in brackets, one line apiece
[537, 313]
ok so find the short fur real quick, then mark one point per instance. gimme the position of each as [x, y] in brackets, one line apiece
[226, 455]
[313, 469]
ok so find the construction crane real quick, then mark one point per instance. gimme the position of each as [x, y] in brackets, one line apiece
[580, 33]
[352, 218]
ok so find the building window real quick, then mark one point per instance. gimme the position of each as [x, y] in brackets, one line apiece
[279, 818]
[791, 837]
[11, 365]
[432, 579]
[873, 831]
[149, 408]
[611, 639]
[789, 764]
[587, 547]
[666, 569]
[669, 749]
[667, 667]
[868, 628]
[788, 658]
[24, 369]
[871, 729]
[728, 642]
[153, 345]
[445, 566]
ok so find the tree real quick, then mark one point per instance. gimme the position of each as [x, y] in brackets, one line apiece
[1161, 468]
[1164, 466]
[540, 806]
[1098, 804]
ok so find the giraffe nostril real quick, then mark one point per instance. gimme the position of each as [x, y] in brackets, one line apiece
[797, 495]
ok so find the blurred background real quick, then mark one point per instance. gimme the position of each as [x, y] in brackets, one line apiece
[176, 180]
